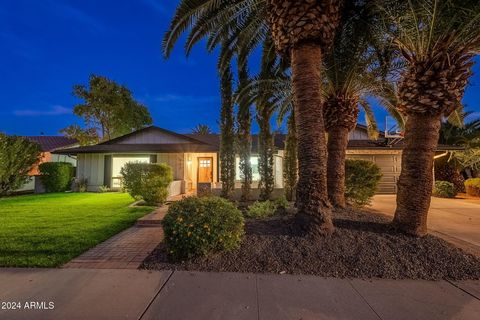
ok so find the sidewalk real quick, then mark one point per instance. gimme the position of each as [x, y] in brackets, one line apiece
[135, 294]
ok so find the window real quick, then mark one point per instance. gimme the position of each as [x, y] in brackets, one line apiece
[206, 163]
[253, 163]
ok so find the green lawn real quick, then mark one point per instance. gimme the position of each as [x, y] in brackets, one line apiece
[49, 230]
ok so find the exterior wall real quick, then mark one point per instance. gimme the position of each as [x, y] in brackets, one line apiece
[389, 161]
[91, 167]
[176, 161]
[152, 137]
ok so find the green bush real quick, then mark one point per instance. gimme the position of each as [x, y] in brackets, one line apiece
[103, 189]
[361, 181]
[261, 209]
[473, 187]
[281, 202]
[197, 226]
[444, 189]
[81, 184]
[56, 176]
[148, 181]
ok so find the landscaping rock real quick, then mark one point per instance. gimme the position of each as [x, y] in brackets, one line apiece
[363, 246]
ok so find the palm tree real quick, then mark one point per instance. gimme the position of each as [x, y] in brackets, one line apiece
[301, 31]
[202, 129]
[438, 40]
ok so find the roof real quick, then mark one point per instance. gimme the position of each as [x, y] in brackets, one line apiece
[50, 143]
[141, 148]
[211, 143]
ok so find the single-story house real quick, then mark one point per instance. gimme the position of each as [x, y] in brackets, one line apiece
[194, 158]
[48, 144]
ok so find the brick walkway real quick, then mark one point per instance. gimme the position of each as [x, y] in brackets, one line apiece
[125, 250]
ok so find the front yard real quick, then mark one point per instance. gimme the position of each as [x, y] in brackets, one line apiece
[49, 230]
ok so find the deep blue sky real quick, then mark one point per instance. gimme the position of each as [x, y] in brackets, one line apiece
[48, 46]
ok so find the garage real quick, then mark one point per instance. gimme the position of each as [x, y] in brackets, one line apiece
[390, 162]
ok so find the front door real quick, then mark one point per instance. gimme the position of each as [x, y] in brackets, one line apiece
[205, 171]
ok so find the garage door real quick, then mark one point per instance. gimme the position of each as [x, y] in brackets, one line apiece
[390, 164]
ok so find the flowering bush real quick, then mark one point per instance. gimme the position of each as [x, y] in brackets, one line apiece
[473, 187]
[197, 226]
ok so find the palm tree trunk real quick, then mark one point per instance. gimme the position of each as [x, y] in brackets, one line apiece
[314, 209]
[416, 179]
[337, 148]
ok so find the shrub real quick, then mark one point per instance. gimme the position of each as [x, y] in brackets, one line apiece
[103, 189]
[444, 189]
[197, 226]
[56, 176]
[281, 202]
[17, 156]
[148, 181]
[473, 187]
[81, 184]
[261, 209]
[361, 181]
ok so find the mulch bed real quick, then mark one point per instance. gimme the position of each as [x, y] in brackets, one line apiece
[363, 246]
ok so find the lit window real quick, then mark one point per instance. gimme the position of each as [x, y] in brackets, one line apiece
[253, 163]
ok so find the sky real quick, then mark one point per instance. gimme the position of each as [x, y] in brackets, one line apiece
[48, 46]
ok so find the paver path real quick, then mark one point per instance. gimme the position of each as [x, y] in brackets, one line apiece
[127, 249]
[139, 294]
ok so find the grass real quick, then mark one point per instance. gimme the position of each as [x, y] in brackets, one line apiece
[49, 230]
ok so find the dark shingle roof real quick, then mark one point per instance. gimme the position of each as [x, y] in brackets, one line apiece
[50, 143]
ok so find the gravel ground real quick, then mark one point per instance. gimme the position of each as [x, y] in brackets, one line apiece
[363, 246]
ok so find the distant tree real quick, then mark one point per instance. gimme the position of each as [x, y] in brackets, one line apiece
[108, 109]
[85, 137]
[244, 137]
[227, 136]
[202, 129]
[17, 156]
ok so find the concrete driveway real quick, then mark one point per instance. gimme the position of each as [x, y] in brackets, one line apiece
[455, 220]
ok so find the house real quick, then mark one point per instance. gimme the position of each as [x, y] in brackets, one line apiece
[194, 158]
[48, 144]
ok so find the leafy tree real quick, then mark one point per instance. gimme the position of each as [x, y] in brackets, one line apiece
[227, 135]
[17, 156]
[108, 110]
[85, 137]
[202, 129]
[438, 41]
[244, 138]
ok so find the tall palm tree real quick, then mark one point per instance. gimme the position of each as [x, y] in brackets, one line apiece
[302, 32]
[438, 40]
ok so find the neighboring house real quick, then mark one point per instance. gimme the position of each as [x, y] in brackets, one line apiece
[194, 158]
[48, 144]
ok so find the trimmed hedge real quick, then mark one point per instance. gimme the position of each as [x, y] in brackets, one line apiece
[444, 189]
[361, 181]
[147, 181]
[56, 176]
[473, 187]
[197, 226]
